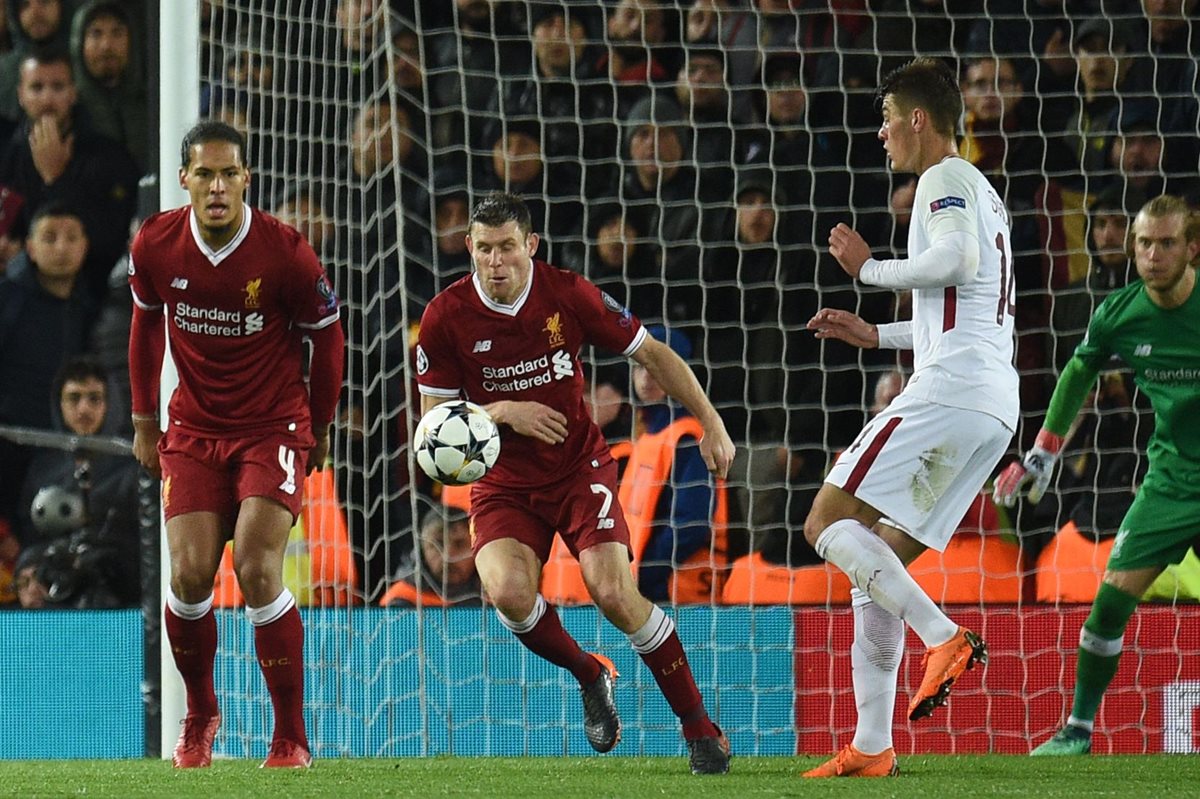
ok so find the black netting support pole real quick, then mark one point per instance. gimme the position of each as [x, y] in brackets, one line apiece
[151, 537]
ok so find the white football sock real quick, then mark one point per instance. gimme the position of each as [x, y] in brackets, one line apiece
[877, 571]
[185, 610]
[273, 610]
[875, 664]
[529, 622]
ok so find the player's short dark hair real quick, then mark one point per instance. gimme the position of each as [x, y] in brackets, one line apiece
[78, 369]
[54, 209]
[928, 84]
[210, 130]
[47, 54]
[499, 208]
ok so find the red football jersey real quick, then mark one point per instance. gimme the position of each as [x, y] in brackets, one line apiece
[480, 350]
[235, 319]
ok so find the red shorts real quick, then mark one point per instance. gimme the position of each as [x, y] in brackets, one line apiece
[216, 474]
[583, 509]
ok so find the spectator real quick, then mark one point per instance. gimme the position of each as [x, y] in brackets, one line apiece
[659, 184]
[1000, 137]
[675, 510]
[639, 56]
[758, 295]
[300, 206]
[88, 557]
[1036, 34]
[569, 94]
[789, 145]
[1103, 58]
[451, 212]
[622, 259]
[733, 27]
[384, 142]
[442, 570]
[816, 28]
[466, 61]
[1170, 72]
[53, 155]
[408, 71]
[517, 166]
[703, 97]
[34, 24]
[606, 395]
[45, 315]
[907, 28]
[1145, 160]
[111, 82]
[1110, 216]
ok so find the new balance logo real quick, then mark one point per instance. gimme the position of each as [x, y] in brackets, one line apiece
[483, 345]
[1141, 350]
[179, 283]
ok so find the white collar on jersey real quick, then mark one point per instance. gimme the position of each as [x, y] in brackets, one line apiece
[507, 310]
[216, 256]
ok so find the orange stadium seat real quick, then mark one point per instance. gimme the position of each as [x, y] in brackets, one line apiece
[1070, 567]
[753, 580]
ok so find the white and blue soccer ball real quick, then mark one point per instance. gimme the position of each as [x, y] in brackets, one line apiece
[456, 443]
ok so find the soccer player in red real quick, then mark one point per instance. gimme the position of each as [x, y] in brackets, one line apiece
[241, 291]
[508, 337]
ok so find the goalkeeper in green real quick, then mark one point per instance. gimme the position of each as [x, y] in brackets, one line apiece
[1153, 325]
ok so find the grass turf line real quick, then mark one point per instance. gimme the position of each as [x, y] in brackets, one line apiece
[922, 776]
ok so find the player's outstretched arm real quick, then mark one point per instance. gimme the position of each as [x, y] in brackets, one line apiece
[679, 381]
[844, 326]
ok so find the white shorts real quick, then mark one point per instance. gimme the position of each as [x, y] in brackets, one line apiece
[921, 465]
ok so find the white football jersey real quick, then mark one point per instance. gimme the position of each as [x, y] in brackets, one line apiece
[963, 335]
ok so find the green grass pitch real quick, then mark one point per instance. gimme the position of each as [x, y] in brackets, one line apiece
[935, 777]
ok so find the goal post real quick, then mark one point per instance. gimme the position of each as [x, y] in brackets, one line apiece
[178, 109]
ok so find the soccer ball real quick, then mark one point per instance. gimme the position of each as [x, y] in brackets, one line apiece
[456, 443]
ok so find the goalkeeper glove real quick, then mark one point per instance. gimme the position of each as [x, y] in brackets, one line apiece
[1034, 471]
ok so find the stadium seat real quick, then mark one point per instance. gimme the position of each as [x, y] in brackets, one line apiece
[753, 580]
[1070, 567]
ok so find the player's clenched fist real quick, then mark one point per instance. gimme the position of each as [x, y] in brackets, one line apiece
[1034, 471]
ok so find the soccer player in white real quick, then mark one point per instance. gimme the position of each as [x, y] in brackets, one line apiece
[909, 477]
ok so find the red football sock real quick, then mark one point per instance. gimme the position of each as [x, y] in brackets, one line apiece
[194, 646]
[669, 665]
[549, 640]
[280, 649]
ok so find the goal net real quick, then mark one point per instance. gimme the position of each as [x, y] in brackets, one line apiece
[372, 126]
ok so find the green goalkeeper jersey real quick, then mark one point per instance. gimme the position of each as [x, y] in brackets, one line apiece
[1162, 347]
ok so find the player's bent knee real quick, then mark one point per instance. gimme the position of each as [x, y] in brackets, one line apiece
[191, 586]
[513, 598]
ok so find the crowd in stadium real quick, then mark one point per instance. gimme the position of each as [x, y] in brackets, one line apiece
[688, 157]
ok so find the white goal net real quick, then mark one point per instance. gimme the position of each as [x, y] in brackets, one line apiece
[373, 126]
